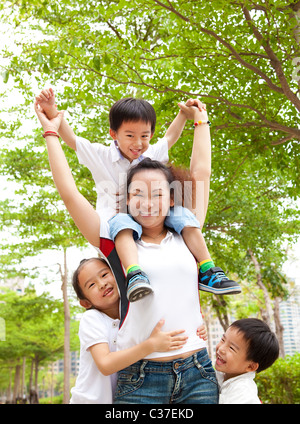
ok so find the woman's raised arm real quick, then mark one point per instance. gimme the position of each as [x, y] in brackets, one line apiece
[84, 215]
[200, 164]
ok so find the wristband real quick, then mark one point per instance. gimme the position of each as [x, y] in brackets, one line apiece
[201, 122]
[50, 133]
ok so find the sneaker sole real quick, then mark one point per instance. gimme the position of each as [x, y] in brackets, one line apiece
[139, 293]
[229, 290]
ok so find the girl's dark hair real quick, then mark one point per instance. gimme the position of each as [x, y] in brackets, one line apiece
[130, 109]
[75, 281]
[263, 346]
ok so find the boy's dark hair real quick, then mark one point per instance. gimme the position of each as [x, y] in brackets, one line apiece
[130, 109]
[263, 346]
[75, 281]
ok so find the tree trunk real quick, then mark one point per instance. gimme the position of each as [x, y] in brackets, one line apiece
[23, 387]
[52, 383]
[34, 393]
[16, 383]
[267, 313]
[64, 278]
[220, 306]
[278, 327]
[9, 393]
[31, 376]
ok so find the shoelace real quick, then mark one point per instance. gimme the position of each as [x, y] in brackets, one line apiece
[220, 275]
[137, 277]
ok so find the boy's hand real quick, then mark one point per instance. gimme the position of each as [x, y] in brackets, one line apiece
[196, 103]
[46, 100]
[163, 342]
[201, 332]
[48, 124]
[193, 109]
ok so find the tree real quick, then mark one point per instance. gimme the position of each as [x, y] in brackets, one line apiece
[242, 59]
[34, 329]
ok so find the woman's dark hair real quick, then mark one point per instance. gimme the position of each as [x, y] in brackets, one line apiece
[75, 281]
[171, 173]
[148, 163]
[130, 109]
[263, 346]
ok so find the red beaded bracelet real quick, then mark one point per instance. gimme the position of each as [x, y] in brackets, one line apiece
[201, 122]
[54, 134]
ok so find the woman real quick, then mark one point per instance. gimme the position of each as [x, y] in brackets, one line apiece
[186, 376]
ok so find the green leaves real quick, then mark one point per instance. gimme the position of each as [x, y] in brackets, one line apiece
[5, 76]
[40, 59]
[96, 62]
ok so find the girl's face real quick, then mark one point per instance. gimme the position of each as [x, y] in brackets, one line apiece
[99, 288]
[149, 198]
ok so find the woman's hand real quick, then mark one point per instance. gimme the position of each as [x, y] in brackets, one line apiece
[165, 341]
[48, 124]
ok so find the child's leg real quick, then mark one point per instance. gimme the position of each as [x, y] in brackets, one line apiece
[194, 240]
[211, 278]
[123, 231]
[126, 248]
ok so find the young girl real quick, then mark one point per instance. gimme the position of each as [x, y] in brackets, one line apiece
[187, 375]
[96, 288]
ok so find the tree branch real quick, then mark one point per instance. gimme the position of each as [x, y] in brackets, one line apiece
[274, 61]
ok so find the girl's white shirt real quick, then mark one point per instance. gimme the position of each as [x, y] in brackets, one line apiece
[91, 385]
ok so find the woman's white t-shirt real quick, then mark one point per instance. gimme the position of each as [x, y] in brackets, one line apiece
[173, 274]
[91, 385]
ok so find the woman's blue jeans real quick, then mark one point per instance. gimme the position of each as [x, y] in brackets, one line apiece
[182, 381]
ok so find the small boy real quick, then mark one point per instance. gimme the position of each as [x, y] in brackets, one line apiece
[247, 347]
[132, 125]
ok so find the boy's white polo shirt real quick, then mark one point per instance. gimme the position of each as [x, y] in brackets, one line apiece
[238, 390]
[109, 167]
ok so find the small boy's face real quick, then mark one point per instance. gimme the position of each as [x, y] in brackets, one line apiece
[231, 354]
[99, 288]
[133, 138]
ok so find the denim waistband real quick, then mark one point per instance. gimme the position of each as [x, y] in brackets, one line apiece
[176, 365]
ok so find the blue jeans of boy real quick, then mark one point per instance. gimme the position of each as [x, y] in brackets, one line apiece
[181, 381]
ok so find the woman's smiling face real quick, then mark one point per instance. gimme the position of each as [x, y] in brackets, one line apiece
[149, 198]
